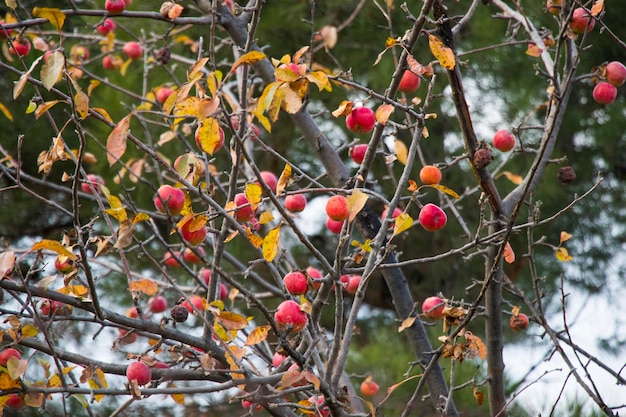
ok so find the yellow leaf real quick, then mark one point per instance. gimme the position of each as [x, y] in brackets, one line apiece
[597, 8]
[52, 69]
[406, 323]
[253, 194]
[356, 201]
[213, 80]
[178, 398]
[514, 178]
[444, 55]
[565, 237]
[6, 383]
[54, 16]
[257, 335]
[320, 80]
[93, 84]
[54, 246]
[509, 255]
[231, 321]
[365, 246]
[124, 67]
[12, 4]
[117, 209]
[187, 107]
[266, 217]
[103, 113]
[401, 151]
[291, 99]
[249, 58]
[270, 244]
[443, 189]
[44, 107]
[29, 331]
[402, 223]
[146, 286]
[116, 142]
[344, 109]
[197, 68]
[31, 108]
[562, 255]
[209, 135]
[6, 112]
[382, 114]
[81, 101]
[283, 181]
[140, 217]
[207, 107]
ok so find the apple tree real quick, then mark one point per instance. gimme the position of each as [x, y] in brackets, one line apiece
[208, 204]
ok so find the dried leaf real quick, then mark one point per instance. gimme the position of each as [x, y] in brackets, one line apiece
[478, 396]
[356, 201]
[344, 109]
[475, 345]
[249, 58]
[562, 255]
[52, 69]
[145, 285]
[564, 237]
[7, 263]
[207, 107]
[81, 102]
[257, 335]
[291, 99]
[406, 323]
[284, 179]
[444, 55]
[125, 234]
[197, 68]
[231, 321]
[44, 107]
[509, 255]
[116, 142]
[329, 36]
[270, 244]
[54, 16]
[412, 186]
[402, 223]
[383, 112]
[401, 151]
[597, 8]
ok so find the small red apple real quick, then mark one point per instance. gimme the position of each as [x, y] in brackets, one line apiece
[361, 120]
[157, 304]
[15, 401]
[357, 153]
[289, 317]
[114, 6]
[194, 301]
[316, 276]
[64, 265]
[353, 283]
[193, 237]
[132, 312]
[270, 179]
[277, 359]
[519, 322]
[244, 211]
[322, 410]
[171, 259]
[169, 199]
[92, 184]
[432, 217]
[410, 82]
[9, 353]
[138, 371]
[604, 93]
[132, 49]
[432, 307]
[295, 203]
[582, 21]
[396, 213]
[52, 308]
[256, 133]
[503, 140]
[107, 26]
[79, 53]
[369, 388]
[205, 275]
[20, 47]
[191, 257]
[334, 226]
[337, 208]
[296, 283]
[615, 73]
[163, 93]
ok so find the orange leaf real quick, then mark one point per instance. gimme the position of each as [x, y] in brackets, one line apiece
[356, 201]
[197, 68]
[509, 255]
[444, 55]
[257, 335]
[116, 142]
[406, 323]
[412, 186]
[383, 112]
[533, 50]
[178, 398]
[479, 396]
[175, 11]
[476, 345]
[565, 237]
[514, 178]
[146, 286]
[344, 109]
[597, 8]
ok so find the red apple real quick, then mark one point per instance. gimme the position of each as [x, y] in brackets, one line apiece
[9, 353]
[171, 259]
[432, 217]
[615, 73]
[410, 82]
[270, 179]
[582, 21]
[503, 140]
[51, 308]
[163, 93]
[296, 283]
[138, 371]
[295, 203]
[127, 337]
[337, 208]
[114, 6]
[361, 120]
[353, 283]
[169, 199]
[396, 213]
[335, 226]
[3, 34]
[369, 388]
[357, 153]
[604, 93]
[205, 275]
[317, 401]
[316, 276]
[194, 301]
[92, 184]
[191, 257]
[432, 307]
[244, 211]
[132, 49]
[289, 317]
[519, 322]
[64, 265]
[15, 401]
[277, 359]
[107, 26]
[157, 304]
[20, 47]
[193, 237]
[78, 53]
[132, 312]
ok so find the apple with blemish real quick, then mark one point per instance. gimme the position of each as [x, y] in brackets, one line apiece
[432, 217]
[64, 265]
[519, 322]
[193, 237]
[138, 371]
[295, 203]
[169, 199]
[289, 317]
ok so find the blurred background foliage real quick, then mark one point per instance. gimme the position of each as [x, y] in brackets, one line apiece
[503, 94]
